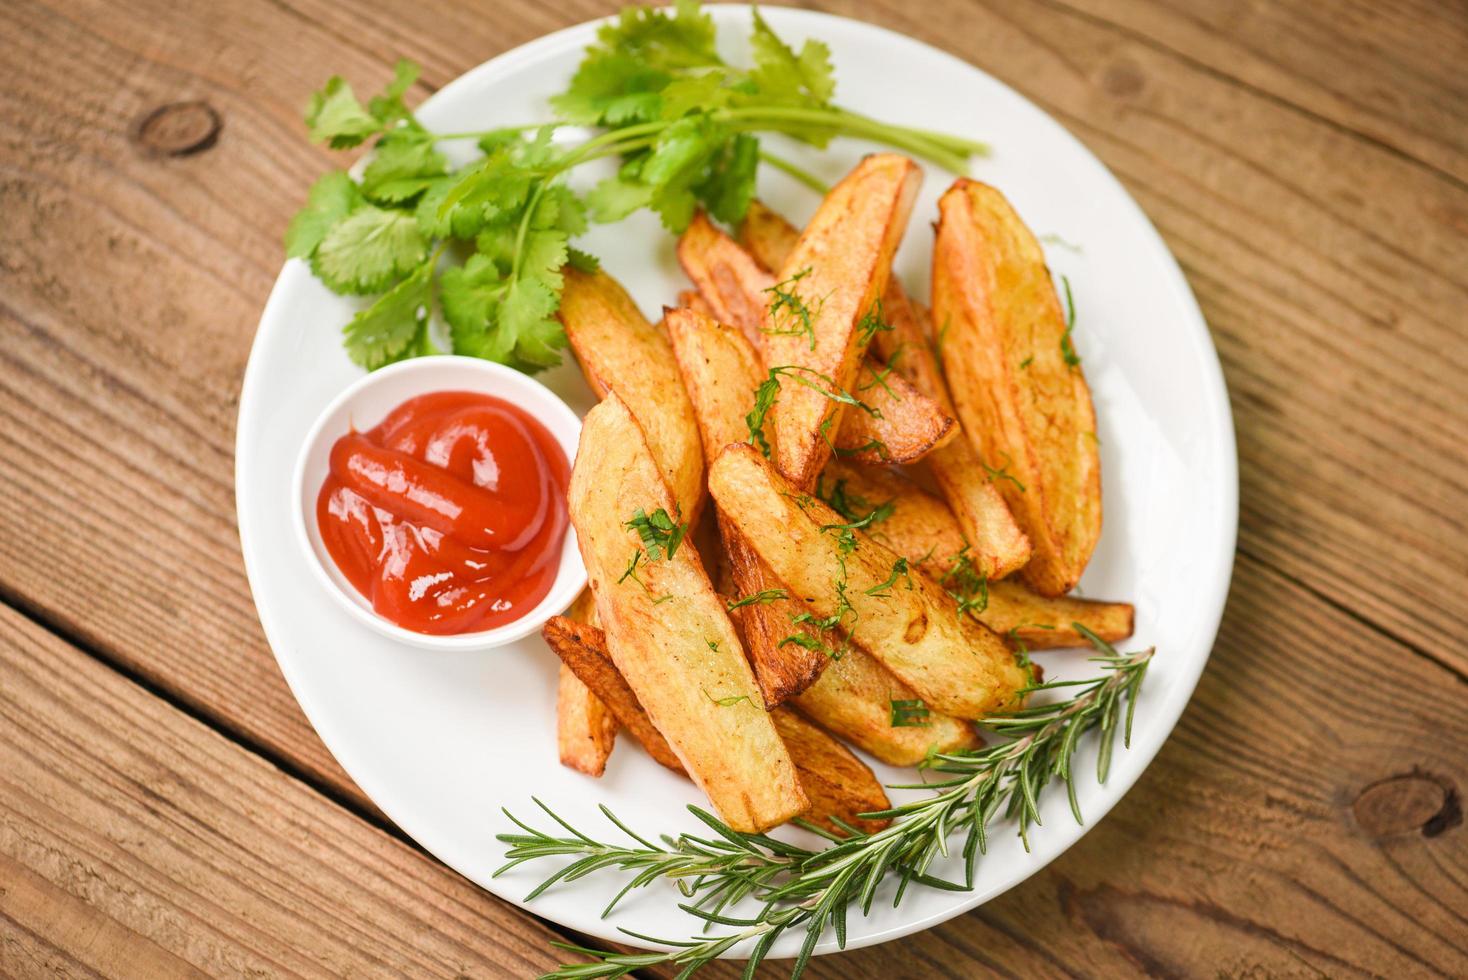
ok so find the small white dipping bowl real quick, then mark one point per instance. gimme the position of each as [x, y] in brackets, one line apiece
[363, 406]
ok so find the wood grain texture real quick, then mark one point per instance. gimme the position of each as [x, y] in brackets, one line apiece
[1307, 163]
[134, 841]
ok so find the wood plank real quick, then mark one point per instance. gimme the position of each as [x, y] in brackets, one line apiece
[134, 841]
[1297, 823]
[1391, 72]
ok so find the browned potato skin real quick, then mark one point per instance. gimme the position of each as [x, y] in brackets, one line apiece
[585, 730]
[838, 783]
[954, 663]
[993, 293]
[583, 652]
[845, 256]
[621, 351]
[921, 526]
[905, 425]
[853, 699]
[997, 545]
[720, 371]
[680, 655]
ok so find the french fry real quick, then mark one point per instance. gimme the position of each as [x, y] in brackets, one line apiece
[669, 633]
[837, 783]
[921, 528]
[997, 546]
[620, 351]
[954, 663]
[583, 653]
[720, 371]
[1016, 384]
[899, 425]
[834, 277]
[855, 698]
[585, 730]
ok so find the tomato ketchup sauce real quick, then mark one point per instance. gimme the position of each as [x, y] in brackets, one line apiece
[450, 514]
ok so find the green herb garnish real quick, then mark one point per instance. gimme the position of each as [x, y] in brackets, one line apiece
[659, 534]
[909, 714]
[761, 598]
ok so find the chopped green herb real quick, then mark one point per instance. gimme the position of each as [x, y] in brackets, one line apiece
[872, 323]
[1067, 348]
[965, 585]
[1002, 473]
[787, 307]
[769, 390]
[899, 571]
[728, 702]
[854, 508]
[658, 532]
[909, 713]
[1027, 362]
[763, 597]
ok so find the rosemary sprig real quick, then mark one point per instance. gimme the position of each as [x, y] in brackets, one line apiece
[811, 890]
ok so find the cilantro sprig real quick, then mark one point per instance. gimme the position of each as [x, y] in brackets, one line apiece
[469, 259]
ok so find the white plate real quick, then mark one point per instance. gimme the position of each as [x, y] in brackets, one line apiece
[442, 741]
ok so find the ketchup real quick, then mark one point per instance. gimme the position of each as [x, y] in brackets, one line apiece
[449, 515]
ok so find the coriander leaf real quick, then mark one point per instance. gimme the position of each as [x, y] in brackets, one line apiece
[611, 88]
[434, 221]
[386, 329]
[469, 295]
[781, 74]
[335, 116]
[675, 207]
[389, 107]
[559, 208]
[402, 167]
[684, 40]
[497, 186]
[681, 150]
[616, 197]
[331, 199]
[544, 254]
[369, 250]
[730, 184]
[658, 532]
[526, 316]
[582, 261]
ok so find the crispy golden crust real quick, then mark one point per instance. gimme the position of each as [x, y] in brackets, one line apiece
[997, 545]
[907, 622]
[669, 634]
[621, 351]
[583, 653]
[585, 729]
[925, 531]
[903, 425]
[838, 784]
[720, 372]
[1026, 411]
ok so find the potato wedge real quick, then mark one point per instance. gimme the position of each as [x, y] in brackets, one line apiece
[583, 653]
[997, 546]
[954, 663]
[854, 698]
[669, 634]
[585, 730]
[901, 424]
[838, 784]
[1027, 412]
[833, 278]
[720, 371]
[621, 351]
[921, 528]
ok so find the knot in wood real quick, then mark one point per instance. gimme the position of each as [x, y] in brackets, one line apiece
[1406, 803]
[1122, 80]
[179, 129]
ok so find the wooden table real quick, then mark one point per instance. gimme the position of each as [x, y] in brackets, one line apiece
[166, 809]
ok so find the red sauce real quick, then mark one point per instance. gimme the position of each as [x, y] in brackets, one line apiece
[449, 515]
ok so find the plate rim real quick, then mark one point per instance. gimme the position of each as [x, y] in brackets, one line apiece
[1200, 345]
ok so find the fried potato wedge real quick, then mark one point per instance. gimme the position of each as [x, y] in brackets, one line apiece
[855, 697]
[720, 371]
[837, 783]
[621, 351]
[921, 528]
[954, 663]
[997, 546]
[669, 633]
[899, 425]
[585, 729]
[1025, 409]
[583, 652]
[833, 279]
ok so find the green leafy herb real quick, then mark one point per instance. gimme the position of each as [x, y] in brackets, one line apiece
[909, 713]
[1067, 347]
[659, 533]
[1024, 365]
[1002, 473]
[763, 597]
[899, 571]
[808, 891]
[728, 702]
[768, 392]
[855, 508]
[790, 314]
[965, 585]
[682, 122]
[872, 323]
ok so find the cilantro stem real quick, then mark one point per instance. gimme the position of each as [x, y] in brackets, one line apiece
[804, 176]
[781, 118]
